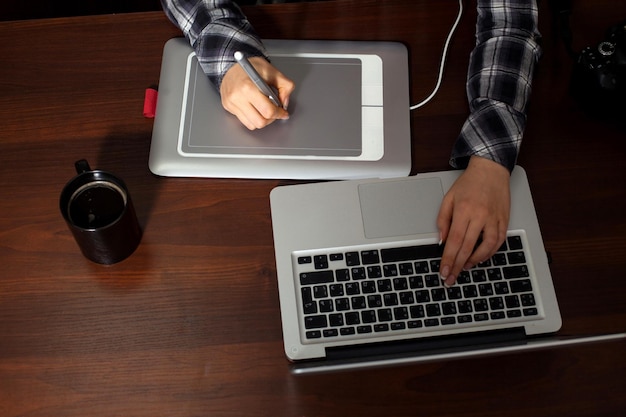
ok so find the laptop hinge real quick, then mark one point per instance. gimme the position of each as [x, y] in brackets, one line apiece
[430, 345]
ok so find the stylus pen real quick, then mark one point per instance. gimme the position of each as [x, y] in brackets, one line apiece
[256, 78]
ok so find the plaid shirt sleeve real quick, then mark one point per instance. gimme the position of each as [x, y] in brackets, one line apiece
[215, 29]
[499, 82]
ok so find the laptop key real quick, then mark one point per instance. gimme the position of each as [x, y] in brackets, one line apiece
[417, 311]
[400, 313]
[518, 271]
[342, 275]
[307, 295]
[400, 284]
[330, 332]
[358, 302]
[369, 257]
[513, 313]
[390, 299]
[364, 329]
[320, 291]
[368, 287]
[320, 261]
[406, 268]
[516, 258]
[368, 316]
[347, 331]
[528, 300]
[398, 326]
[358, 273]
[381, 327]
[514, 242]
[374, 301]
[448, 308]
[310, 308]
[317, 277]
[315, 322]
[336, 290]
[385, 315]
[335, 320]
[336, 257]
[521, 285]
[411, 253]
[326, 306]
[530, 311]
[374, 271]
[415, 324]
[481, 316]
[353, 318]
[406, 298]
[466, 318]
[497, 315]
[433, 310]
[302, 260]
[512, 301]
[421, 267]
[353, 288]
[342, 304]
[499, 259]
[352, 259]
[465, 306]
[431, 322]
[416, 282]
[432, 280]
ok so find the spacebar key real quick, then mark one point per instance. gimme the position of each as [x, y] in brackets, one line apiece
[316, 277]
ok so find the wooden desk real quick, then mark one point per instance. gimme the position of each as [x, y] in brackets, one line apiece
[189, 325]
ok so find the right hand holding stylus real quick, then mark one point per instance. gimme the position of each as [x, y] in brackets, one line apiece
[244, 100]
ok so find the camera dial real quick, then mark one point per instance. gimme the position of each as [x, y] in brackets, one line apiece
[606, 48]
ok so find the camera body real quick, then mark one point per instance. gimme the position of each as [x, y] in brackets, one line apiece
[599, 78]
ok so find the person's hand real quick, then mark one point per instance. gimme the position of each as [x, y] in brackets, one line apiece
[243, 99]
[476, 206]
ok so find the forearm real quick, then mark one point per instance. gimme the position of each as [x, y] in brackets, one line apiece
[215, 29]
[499, 81]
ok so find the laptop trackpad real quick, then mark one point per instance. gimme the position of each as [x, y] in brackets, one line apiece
[400, 208]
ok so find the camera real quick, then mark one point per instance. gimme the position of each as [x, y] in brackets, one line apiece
[599, 78]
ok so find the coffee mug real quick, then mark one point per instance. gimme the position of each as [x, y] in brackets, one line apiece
[99, 212]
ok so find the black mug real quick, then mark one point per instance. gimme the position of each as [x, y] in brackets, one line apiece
[98, 210]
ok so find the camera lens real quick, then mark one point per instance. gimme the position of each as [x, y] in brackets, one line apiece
[606, 48]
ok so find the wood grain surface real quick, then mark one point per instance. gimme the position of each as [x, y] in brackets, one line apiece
[189, 325]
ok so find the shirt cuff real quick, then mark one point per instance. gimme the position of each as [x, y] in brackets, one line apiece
[216, 54]
[494, 131]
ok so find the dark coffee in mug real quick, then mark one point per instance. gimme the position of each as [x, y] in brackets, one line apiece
[96, 204]
[99, 212]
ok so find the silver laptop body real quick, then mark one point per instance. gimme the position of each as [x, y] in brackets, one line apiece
[363, 216]
[349, 116]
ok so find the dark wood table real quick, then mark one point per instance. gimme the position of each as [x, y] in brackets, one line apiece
[189, 325]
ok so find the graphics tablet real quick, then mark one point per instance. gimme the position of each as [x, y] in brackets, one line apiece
[349, 116]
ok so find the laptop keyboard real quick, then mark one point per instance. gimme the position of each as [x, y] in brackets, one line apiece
[387, 290]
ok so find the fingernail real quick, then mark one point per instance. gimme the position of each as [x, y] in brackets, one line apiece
[443, 274]
[467, 266]
[445, 283]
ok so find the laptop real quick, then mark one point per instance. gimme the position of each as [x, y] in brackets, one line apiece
[349, 116]
[357, 265]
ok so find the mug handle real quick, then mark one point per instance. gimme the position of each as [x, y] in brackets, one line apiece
[82, 166]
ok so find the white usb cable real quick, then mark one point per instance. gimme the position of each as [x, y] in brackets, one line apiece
[443, 59]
